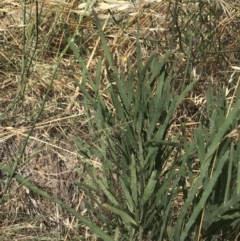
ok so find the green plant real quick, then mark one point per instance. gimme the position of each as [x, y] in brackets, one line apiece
[130, 140]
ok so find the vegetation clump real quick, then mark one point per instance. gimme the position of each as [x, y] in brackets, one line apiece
[119, 120]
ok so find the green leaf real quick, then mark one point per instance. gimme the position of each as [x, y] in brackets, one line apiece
[98, 77]
[150, 60]
[104, 43]
[149, 188]
[134, 182]
[126, 101]
[103, 184]
[238, 175]
[229, 174]
[125, 217]
[127, 196]
[200, 143]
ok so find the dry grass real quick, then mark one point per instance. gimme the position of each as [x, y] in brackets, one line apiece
[50, 159]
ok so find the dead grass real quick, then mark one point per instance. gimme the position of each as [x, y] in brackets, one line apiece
[50, 159]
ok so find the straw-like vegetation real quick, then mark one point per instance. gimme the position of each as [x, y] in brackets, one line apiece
[119, 120]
